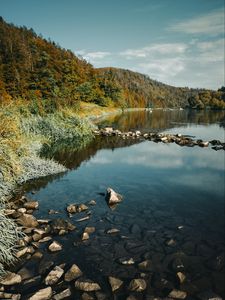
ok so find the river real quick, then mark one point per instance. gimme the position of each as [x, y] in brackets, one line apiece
[172, 214]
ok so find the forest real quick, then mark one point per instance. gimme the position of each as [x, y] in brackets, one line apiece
[43, 77]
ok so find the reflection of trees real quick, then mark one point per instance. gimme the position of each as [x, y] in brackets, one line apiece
[161, 119]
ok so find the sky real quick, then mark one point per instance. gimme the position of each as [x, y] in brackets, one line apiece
[177, 42]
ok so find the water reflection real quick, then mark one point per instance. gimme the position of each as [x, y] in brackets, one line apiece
[170, 192]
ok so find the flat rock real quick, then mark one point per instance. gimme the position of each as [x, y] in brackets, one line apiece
[11, 279]
[115, 283]
[87, 285]
[177, 294]
[137, 285]
[73, 273]
[54, 276]
[55, 246]
[42, 294]
[64, 294]
[27, 220]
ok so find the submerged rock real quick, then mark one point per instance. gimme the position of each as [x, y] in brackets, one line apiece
[43, 294]
[87, 285]
[115, 283]
[64, 294]
[86, 296]
[177, 294]
[137, 285]
[112, 197]
[73, 273]
[60, 224]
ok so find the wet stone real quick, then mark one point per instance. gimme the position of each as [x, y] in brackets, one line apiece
[27, 220]
[45, 265]
[127, 261]
[10, 296]
[54, 276]
[87, 285]
[145, 265]
[11, 279]
[31, 205]
[64, 294]
[43, 294]
[181, 277]
[73, 273]
[86, 296]
[137, 285]
[55, 246]
[177, 294]
[115, 283]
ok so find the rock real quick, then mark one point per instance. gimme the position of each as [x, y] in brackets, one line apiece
[9, 296]
[31, 205]
[145, 265]
[45, 239]
[113, 230]
[132, 297]
[72, 208]
[22, 210]
[181, 277]
[203, 144]
[11, 279]
[85, 236]
[73, 273]
[115, 283]
[64, 294]
[89, 229]
[92, 202]
[87, 285]
[22, 252]
[82, 207]
[27, 221]
[25, 273]
[53, 212]
[137, 285]
[55, 246]
[83, 219]
[108, 130]
[43, 221]
[171, 243]
[54, 276]
[42, 294]
[60, 224]
[177, 294]
[36, 237]
[86, 296]
[124, 261]
[9, 212]
[112, 197]
[45, 265]
[37, 255]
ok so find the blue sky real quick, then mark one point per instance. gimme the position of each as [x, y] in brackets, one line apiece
[178, 42]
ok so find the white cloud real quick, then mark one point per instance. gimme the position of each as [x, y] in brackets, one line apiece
[212, 23]
[163, 48]
[97, 55]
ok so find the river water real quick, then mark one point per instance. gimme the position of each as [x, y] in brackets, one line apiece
[173, 209]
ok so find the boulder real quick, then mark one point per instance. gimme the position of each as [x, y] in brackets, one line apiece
[115, 283]
[54, 276]
[73, 273]
[42, 294]
[112, 197]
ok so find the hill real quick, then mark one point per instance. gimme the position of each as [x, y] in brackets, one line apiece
[46, 77]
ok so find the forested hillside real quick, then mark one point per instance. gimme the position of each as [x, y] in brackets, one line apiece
[45, 77]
